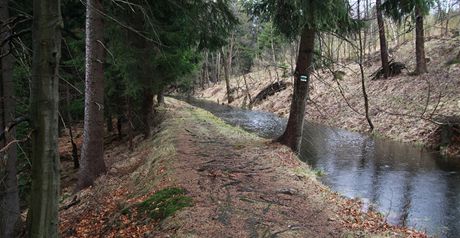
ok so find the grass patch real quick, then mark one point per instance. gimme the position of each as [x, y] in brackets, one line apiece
[164, 203]
[452, 62]
[224, 128]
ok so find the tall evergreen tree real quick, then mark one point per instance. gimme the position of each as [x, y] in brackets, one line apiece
[398, 9]
[43, 212]
[305, 19]
[92, 155]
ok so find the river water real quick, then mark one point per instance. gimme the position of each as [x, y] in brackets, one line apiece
[409, 185]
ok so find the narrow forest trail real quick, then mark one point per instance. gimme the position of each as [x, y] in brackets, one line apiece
[240, 185]
[244, 188]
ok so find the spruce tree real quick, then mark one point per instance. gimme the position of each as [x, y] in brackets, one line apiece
[305, 19]
[398, 10]
[92, 155]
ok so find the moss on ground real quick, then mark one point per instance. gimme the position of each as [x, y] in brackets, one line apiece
[164, 203]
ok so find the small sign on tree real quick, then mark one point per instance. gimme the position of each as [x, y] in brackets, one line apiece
[303, 78]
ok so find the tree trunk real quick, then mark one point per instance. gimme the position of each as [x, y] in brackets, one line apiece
[160, 97]
[272, 43]
[227, 78]
[206, 70]
[76, 162]
[92, 155]
[218, 67]
[130, 123]
[292, 136]
[361, 68]
[108, 119]
[383, 41]
[230, 53]
[43, 212]
[9, 197]
[248, 92]
[419, 43]
[147, 108]
[147, 89]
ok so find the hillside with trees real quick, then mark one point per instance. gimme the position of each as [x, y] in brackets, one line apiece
[396, 94]
[94, 145]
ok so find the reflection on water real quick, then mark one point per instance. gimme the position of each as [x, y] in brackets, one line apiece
[410, 185]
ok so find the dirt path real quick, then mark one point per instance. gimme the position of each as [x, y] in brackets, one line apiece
[238, 192]
[240, 185]
[244, 186]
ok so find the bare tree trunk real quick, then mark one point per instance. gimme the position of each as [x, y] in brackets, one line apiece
[419, 43]
[292, 136]
[108, 118]
[160, 96]
[130, 122]
[206, 69]
[9, 196]
[230, 54]
[227, 78]
[147, 108]
[76, 162]
[43, 212]
[383, 41]
[218, 67]
[361, 68]
[247, 89]
[273, 46]
[147, 88]
[92, 154]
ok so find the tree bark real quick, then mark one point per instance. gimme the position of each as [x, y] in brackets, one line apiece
[292, 136]
[9, 196]
[76, 162]
[383, 40]
[227, 78]
[361, 68]
[160, 97]
[43, 213]
[419, 43]
[147, 107]
[92, 155]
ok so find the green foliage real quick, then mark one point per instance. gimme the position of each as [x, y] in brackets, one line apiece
[268, 36]
[398, 9]
[164, 203]
[290, 17]
[453, 61]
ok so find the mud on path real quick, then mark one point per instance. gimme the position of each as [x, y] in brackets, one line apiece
[240, 185]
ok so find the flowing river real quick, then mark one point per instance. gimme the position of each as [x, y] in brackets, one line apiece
[409, 185]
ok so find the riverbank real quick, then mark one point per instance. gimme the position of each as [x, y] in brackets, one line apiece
[199, 177]
[414, 109]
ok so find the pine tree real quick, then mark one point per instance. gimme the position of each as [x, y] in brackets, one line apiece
[397, 10]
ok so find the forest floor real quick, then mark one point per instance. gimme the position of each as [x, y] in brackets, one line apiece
[199, 177]
[404, 108]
